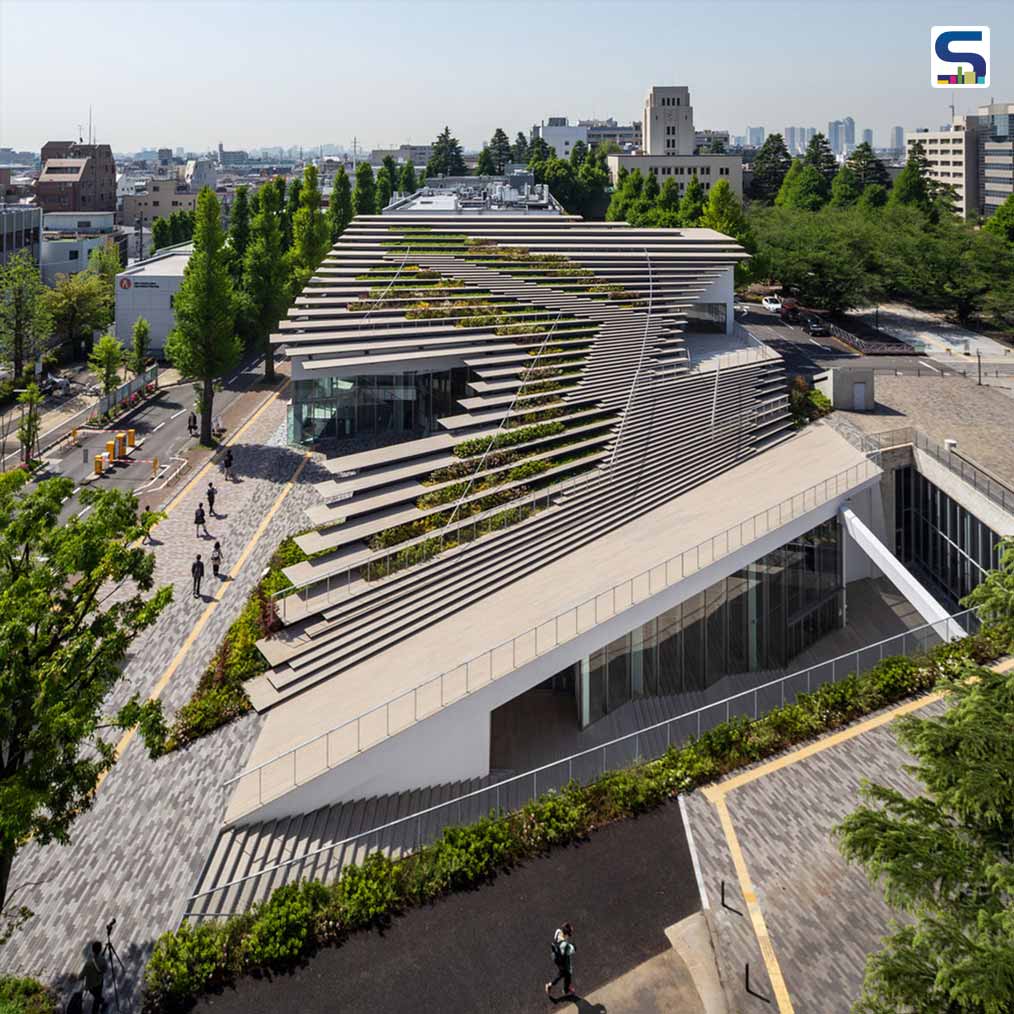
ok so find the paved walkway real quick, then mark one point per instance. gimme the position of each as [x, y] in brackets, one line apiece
[488, 950]
[819, 914]
[137, 852]
[942, 338]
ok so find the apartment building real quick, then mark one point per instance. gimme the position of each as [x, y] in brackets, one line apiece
[159, 199]
[76, 177]
[69, 237]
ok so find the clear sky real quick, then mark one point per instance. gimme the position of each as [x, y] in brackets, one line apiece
[165, 73]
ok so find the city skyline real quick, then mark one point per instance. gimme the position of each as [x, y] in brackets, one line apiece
[285, 60]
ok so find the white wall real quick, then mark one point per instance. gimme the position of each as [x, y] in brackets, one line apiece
[722, 290]
[151, 298]
[68, 256]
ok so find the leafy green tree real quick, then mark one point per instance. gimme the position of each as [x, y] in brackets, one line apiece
[339, 210]
[539, 150]
[284, 222]
[873, 197]
[692, 206]
[593, 181]
[944, 857]
[500, 149]
[239, 231]
[391, 166]
[105, 362]
[1001, 222]
[30, 400]
[446, 158]
[994, 597]
[803, 188]
[819, 155]
[385, 189]
[578, 153]
[669, 197]
[140, 342]
[25, 318]
[519, 150]
[485, 165]
[845, 188]
[723, 212]
[311, 232]
[364, 195]
[625, 195]
[79, 305]
[62, 648]
[407, 181]
[289, 209]
[266, 277]
[867, 167]
[911, 186]
[105, 262]
[203, 345]
[161, 234]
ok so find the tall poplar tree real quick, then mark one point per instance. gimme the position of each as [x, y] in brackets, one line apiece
[239, 231]
[311, 232]
[339, 210]
[203, 345]
[364, 195]
[266, 275]
[385, 188]
[408, 184]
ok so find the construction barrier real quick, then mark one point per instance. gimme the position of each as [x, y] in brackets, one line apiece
[99, 464]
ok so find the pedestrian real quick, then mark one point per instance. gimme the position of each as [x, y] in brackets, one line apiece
[227, 464]
[93, 973]
[563, 958]
[211, 494]
[216, 559]
[146, 525]
[197, 571]
[200, 521]
[192, 424]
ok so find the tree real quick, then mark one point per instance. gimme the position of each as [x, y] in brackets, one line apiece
[539, 150]
[79, 305]
[385, 189]
[944, 857]
[391, 166]
[30, 400]
[651, 189]
[1001, 222]
[669, 197]
[203, 345]
[407, 181]
[625, 196]
[994, 597]
[62, 648]
[500, 149]
[266, 276]
[290, 206]
[339, 209]
[578, 154]
[723, 212]
[867, 167]
[692, 205]
[239, 231]
[803, 188]
[105, 262]
[519, 150]
[446, 158]
[105, 362]
[284, 223]
[364, 196]
[485, 165]
[845, 188]
[25, 318]
[911, 184]
[311, 233]
[873, 197]
[819, 155]
[140, 342]
[161, 234]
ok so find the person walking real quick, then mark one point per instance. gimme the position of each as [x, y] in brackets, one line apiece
[146, 525]
[563, 958]
[192, 424]
[197, 572]
[227, 464]
[216, 559]
[211, 494]
[200, 521]
[93, 974]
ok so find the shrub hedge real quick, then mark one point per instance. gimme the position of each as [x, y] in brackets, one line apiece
[25, 996]
[296, 919]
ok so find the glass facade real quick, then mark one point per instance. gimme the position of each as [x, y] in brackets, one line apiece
[708, 317]
[758, 618]
[385, 403]
[949, 544]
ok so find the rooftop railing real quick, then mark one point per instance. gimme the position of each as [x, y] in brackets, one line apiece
[320, 753]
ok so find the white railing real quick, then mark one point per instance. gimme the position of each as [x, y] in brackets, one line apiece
[320, 753]
[642, 744]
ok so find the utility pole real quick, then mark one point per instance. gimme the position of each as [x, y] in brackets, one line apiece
[354, 152]
[978, 356]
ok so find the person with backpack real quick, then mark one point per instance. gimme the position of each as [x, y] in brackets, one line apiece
[211, 494]
[200, 521]
[197, 572]
[216, 559]
[563, 958]
[192, 424]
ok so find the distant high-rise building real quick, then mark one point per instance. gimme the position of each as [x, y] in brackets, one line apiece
[790, 139]
[898, 138]
[755, 136]
[811, 133]
[868, 137]
[850, 133]
[836, 136]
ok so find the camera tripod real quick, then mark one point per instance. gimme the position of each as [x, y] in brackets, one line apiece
[113, 959]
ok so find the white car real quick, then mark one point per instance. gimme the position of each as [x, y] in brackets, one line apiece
[772, 303]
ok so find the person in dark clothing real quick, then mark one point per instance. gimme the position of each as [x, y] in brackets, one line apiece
[211, 494]
[197, 571]
[563, 957]
[200, 521]
[192, 424]
[93, 973]
[227, 464]
[216, 559]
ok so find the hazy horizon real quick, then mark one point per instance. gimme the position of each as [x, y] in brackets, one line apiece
[255, 74]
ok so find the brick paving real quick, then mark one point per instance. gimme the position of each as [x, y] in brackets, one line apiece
[137, 852]
[822, 914]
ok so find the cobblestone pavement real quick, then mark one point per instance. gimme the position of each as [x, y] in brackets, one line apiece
[822, 914]
[137, 852]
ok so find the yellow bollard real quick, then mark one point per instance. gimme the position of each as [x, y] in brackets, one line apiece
[98, 464]
[121, 444]
[111, 449]
[131, 436]
[73, 436]
[154, 467]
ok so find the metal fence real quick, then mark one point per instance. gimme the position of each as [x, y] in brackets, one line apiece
[873, 348]
[413, 830]
[310, 758]
[124, 391]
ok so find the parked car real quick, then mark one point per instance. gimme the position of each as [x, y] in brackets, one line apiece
[815, 326]
[772, 303]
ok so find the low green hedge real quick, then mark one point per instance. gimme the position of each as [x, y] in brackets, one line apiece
[25, 996]
[219, 697]
[297, 919]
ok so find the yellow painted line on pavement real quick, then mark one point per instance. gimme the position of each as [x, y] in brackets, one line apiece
[760, 928]
[170, 670]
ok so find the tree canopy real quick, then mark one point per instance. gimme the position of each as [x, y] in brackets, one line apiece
[266, 278]
[239, 230]
[519, 150]
[105, 362]
[407, 182]
[339, 209]
[770, 165]
[25, 317]
[79, 305]
[137, 355]
[1001, 222]
[867, 167]
[446, 158]
[485, 165]
[819, 155]
[364, 194]
[500, 150]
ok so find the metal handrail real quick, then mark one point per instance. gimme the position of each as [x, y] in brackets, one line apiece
[689, 561]
[601, 748]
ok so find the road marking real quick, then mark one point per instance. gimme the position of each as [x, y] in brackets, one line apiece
[75, 491]
[85, 511]
[694, 858]
[174, 415]
[160, 425]
[933, 368]
[170, 670]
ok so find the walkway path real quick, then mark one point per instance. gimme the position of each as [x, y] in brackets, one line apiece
[137, 852]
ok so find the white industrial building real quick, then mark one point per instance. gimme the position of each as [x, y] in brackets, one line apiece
[146, 289]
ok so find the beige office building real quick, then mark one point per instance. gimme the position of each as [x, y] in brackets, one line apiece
[159, 200]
